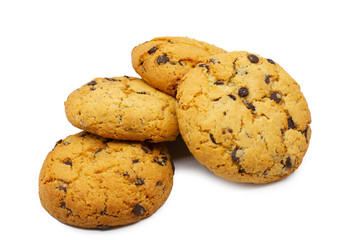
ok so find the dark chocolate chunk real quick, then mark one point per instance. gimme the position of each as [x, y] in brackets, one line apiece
[230, 130]
[212, 138]
[288, 163]
[68, 162]
[113, 79]
[267, 79]
[138, 210]
[270, 61]
[205, 66]
[103, 212]
[92, 83]
[159, 183]
[214, 61]
[249, 106]
[62, 188]
[63, 205]
[291, 124]
[152, 50]
[243, 92]
[219, 83]
[135, 160]
[181, 63]
[241, 170]
[161, 161]
[99, 150]
[162, 59]
[234, 157]
[276, 96]
[139, 181]
[145, 149]
[57, 143]
[232, 97]
[224, 113]
[253, 58]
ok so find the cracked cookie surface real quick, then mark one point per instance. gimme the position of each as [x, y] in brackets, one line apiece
[93, 182]
[123, 108]
[163, 61]
[244, 118]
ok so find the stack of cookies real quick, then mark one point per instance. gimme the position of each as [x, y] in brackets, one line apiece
[241, 116]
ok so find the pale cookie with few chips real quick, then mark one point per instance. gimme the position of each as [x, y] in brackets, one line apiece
[123, 108]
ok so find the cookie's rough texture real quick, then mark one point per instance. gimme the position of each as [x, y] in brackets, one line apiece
[244, 118]
[163, 61]
[123, 108]
[93, 182]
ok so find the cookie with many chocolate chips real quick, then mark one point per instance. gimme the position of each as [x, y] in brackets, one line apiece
[244, 118]
[163, 61]
[123, 108]
[93, 182]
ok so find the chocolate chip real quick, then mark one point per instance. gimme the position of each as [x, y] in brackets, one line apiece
[276, 96]
[232, 97]
[135, 160]
[99, 150]
[62, 188]
[243, 92]
[267, 79]
[92, 83]
[291, 124]
[138, 210]
[145, 149]
[103, 212]
[159, 184]
[57, 143]
[237, 154]
[139, 181]
[162, 59]
[249, 106]
[224, 113]
[212, 138]
[288, 163]
[219, 83]
[205, 66]
[92, 89]
[230, 130]
[253, 58]
[63, 205]
[241, 170]
[113, 79]
[214, 61]
[152, 50]
[68, 162]
[270, 61]
[181, 63]
[141, 92]
[161, 161]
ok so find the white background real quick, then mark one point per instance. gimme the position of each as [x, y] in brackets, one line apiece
[50, 48]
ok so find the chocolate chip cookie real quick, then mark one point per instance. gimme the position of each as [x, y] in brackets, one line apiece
[93, 182]
[124, 108]
[244, 118]
[162, 61]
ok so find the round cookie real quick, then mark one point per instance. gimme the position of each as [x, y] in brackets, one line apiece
[162, 61]
[123, 108]
[244, 118]
[93, 182]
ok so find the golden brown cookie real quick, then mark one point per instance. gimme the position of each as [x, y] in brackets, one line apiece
[162, 61]
[123, 108]
[244, 118]
[93, 182]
